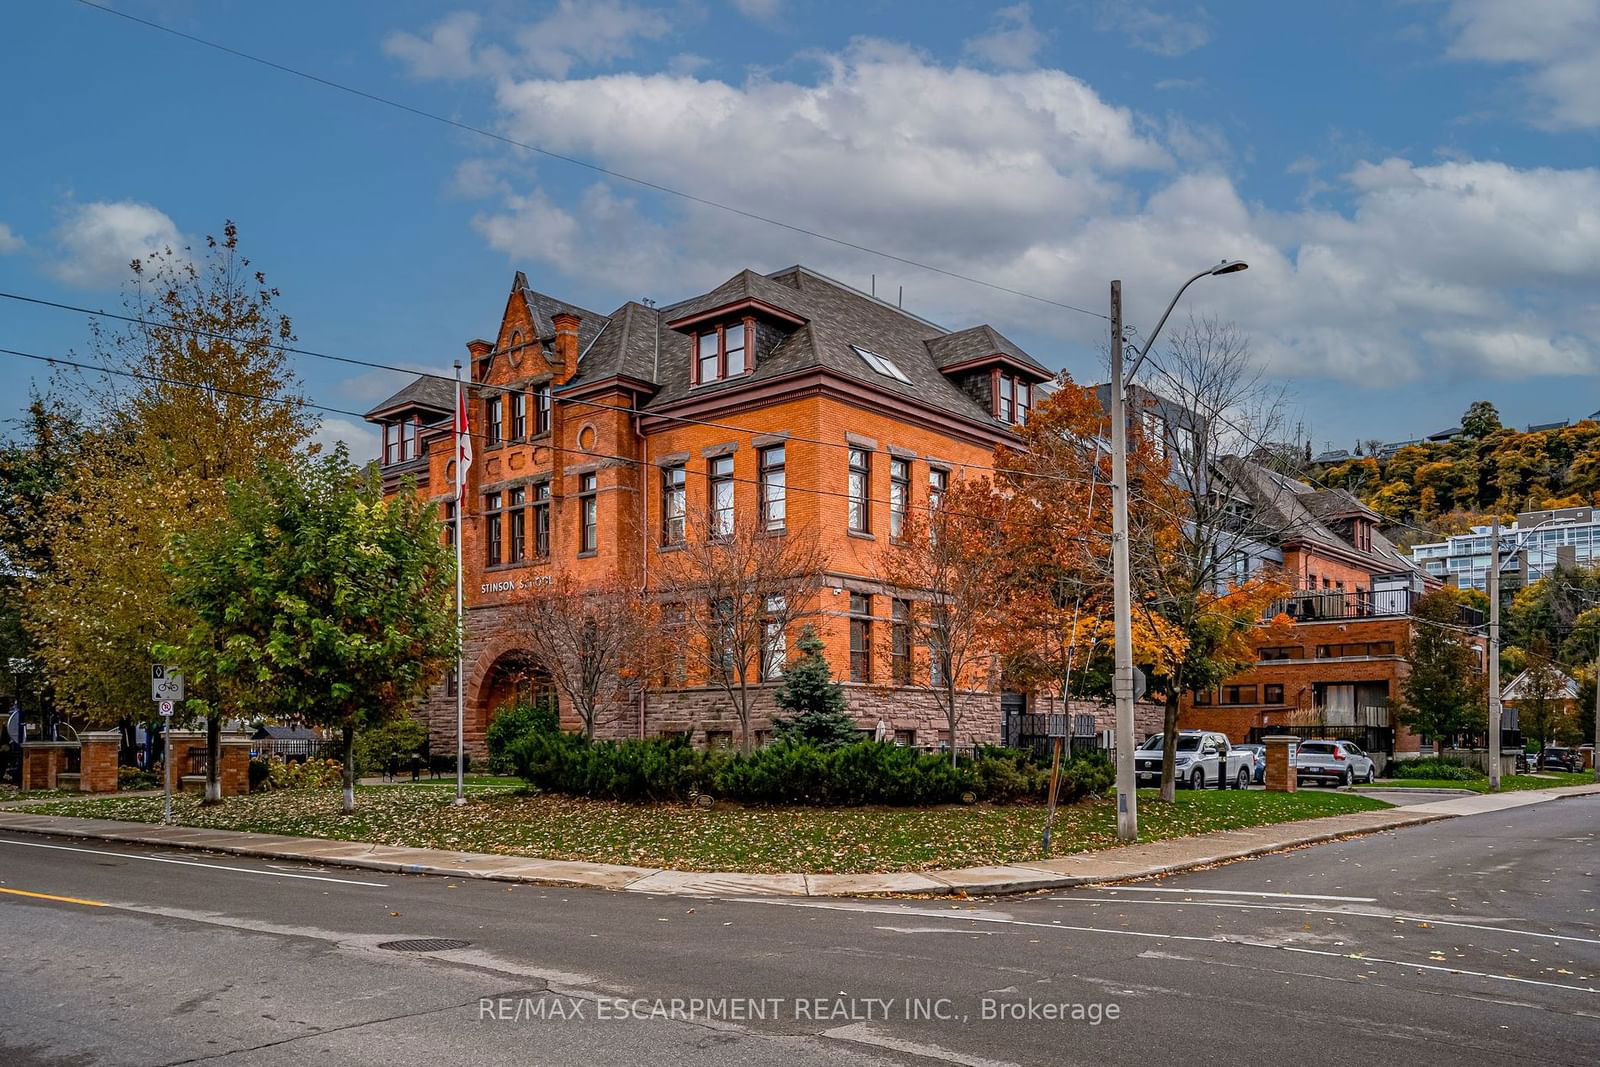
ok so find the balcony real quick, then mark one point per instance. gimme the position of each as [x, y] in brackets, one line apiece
[1330, 605]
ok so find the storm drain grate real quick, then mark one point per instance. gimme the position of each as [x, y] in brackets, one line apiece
[425, 944]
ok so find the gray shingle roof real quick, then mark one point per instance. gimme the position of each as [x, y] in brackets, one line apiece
[975, 342]
[429, 391]
[1289, 508]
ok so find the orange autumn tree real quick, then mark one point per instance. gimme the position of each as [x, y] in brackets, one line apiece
[1056, 564]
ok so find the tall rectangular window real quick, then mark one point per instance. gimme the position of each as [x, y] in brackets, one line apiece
[859, 489]
[775, 648]
[493, 419]
[516, 513]
[1013, 398]
[773, 488]
[491, 529]
[721, 352]
[938, 485]
[541, 520]
[720, 495]
[899, 496]
[450, 524]
[674, 503]
[1003, 398]
[860, 637]
[936, 654]
[519, 416]
[541, 409]
[588, 513]
[391, 443]
[900, 641]
[1024, 400]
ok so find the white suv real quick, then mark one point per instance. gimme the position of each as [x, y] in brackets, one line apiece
[1200, 756]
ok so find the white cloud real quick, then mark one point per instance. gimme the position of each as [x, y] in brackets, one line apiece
[573, 33]
[760, 10]
[1557, 41]
[1157, 32]
[1013, 42]
[9, 242]
[361, 439]
[1036, 182]
[98, 240]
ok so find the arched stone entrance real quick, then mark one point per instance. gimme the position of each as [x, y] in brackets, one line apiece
[513, 677]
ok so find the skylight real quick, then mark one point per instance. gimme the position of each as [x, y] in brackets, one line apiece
[883, 365]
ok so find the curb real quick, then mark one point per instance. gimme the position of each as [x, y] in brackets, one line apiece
[1101, 866]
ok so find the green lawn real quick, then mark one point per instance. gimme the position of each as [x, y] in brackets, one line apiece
[1545, 780]
[727, 837]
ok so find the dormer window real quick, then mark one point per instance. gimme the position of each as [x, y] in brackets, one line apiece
[721, 352]
[1013, 398]
[400, 440]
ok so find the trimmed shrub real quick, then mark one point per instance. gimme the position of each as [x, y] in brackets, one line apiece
[866, 772]
[1436, 769]
[509, 724]
[129, 778]
[443, 764]
[304, 774]
[258, 774]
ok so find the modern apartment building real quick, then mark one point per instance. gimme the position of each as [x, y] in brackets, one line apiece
[787, 399]
[1530, 548]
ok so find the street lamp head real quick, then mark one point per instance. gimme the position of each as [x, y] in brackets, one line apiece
[1229, 266]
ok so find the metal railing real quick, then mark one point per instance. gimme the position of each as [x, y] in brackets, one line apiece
[1313, 605]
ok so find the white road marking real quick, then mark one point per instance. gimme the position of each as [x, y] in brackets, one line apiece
[1353, 957]
[1230, 893]
[1358, 958]
[1354, 913]
[193, 863]
[863, 1034]
[932, 930]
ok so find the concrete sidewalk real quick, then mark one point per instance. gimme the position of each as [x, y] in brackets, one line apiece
[1106, 865]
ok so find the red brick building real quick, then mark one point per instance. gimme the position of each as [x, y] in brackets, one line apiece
[1339, 671]
[815, 409]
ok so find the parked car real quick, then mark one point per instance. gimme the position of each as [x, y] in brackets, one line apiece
[1334, 762]
[1559, 759]
[1259, 754]
[1524, 762]
[1201, 756]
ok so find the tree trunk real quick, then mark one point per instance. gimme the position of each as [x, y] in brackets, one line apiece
[744, 716]
[950, 715]
[213, 794]
[349, 767]
[1169, 739]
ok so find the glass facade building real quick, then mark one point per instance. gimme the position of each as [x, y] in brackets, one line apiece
[1543, 538]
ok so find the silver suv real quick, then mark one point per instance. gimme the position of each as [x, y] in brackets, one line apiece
[1334, 762]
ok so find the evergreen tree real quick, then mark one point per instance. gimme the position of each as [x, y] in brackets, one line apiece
[1443, 697]
[814, 701]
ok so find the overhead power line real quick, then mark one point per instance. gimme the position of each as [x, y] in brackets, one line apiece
[644, 183]
[479, 387]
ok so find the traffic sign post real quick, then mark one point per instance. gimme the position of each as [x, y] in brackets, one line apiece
[166, 689]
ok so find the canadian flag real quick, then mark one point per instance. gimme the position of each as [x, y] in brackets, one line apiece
[463, 440]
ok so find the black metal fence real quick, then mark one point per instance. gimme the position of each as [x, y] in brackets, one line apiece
[1038, 731]
[295, 749]
[1311, 605]
[1373, 740]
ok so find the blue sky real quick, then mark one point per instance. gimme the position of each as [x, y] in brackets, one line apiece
[1414, 183]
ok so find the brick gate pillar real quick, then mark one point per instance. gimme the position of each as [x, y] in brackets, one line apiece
[235, 766]
[41, 762]
[1280, 776]
[98, 761]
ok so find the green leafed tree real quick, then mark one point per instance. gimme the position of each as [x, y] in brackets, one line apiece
[813, 702]
[317, 600]
[1443, 696]
[1480, 419]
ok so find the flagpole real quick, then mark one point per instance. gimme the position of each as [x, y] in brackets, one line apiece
[461, 621]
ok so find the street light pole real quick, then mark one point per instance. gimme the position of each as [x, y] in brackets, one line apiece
[1122, 592]
[1122, 586]
[1494, 656]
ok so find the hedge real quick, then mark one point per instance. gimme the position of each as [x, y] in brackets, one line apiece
[866, 772]
[1436, 769]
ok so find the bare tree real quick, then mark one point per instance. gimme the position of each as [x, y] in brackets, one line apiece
[742, 590]
[1543, 711]
[946, 570]
[1212, 406]
[598, 644]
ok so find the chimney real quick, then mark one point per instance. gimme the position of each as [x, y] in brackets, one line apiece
[478, 350]
[566, 354]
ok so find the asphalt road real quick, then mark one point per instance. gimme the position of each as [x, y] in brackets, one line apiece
[1468, 941]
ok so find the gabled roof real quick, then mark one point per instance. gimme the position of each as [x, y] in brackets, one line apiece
[977, 342]
[1288, 509]
[542, 308]
[431, 392]
[1566, 687]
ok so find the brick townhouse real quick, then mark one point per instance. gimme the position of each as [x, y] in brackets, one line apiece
[808, 406]
[1339, 670]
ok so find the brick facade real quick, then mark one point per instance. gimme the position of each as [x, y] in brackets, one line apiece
[610, 434]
